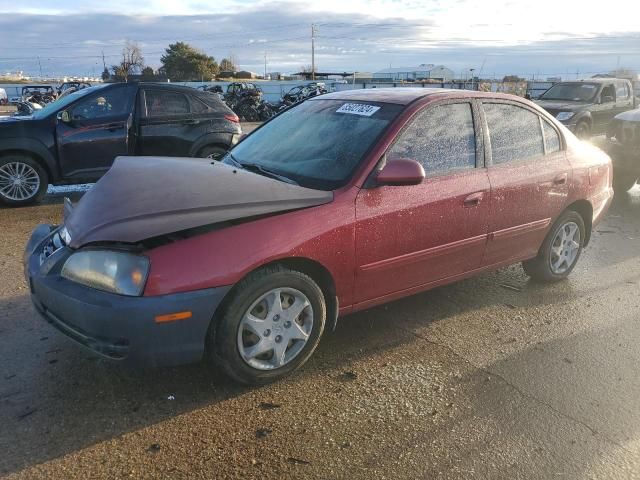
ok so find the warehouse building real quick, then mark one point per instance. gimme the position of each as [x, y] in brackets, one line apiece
[414, 74]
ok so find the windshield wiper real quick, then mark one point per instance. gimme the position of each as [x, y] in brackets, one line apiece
[265, 171]
[233, 161]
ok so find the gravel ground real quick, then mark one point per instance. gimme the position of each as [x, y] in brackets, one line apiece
[492, 377]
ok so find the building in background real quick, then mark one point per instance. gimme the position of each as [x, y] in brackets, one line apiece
[414, 74]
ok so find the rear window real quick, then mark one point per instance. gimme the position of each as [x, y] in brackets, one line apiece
[514, 132]
[160, 104]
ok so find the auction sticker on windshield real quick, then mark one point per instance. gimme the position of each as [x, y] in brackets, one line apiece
[358, 109]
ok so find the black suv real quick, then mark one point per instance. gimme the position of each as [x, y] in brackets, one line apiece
[588, 107]
[77, 138]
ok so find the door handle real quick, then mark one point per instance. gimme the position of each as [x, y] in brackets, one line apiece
[115, 126]
[473, 200]
[560, 179]
[192, 121]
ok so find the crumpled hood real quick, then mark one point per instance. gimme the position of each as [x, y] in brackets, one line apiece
[144, 197]
[629, 116]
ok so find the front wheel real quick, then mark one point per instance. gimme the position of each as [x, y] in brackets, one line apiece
[270, 326]
[560, 250]
[23, 181]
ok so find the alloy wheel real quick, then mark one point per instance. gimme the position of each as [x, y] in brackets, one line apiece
[564, 248]
[275, 328]
[18, 181]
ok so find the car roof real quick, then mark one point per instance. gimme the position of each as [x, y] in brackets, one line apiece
[397, 95]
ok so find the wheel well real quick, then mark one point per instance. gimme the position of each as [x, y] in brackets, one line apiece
[33, 156]
[585, 210]
[321, 276]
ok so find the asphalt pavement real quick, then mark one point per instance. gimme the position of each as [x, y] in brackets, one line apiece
[492, 377]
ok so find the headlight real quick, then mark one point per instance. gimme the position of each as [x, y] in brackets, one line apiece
[564, 116]
[116, 272]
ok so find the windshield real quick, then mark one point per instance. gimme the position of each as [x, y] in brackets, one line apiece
[65, 101]
[317, 144]
[573, 92]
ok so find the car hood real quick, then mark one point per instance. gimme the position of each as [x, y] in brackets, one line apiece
[629, 116]
[146, 197]
[561, 105]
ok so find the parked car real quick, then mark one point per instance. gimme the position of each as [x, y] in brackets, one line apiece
[3, 97]
[41, 94]
[624, 148]
[76, 139]
[63, 87]
[588, 107]
[343, 202]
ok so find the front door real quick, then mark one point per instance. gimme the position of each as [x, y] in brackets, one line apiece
[98, 131]
[410, 236]
[529, 175]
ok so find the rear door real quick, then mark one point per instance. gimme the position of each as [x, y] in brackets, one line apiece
[409, 236]
[97, 133]
[604, 111]
[529, 175]
[167, 126]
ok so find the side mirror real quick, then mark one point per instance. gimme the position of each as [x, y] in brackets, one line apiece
[401, 171]
[64, 116]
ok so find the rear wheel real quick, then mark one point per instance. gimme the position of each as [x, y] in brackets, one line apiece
[623, 181]
[23, 181]
[583, 130]
[214, 152]
[270, 326]
[560, 250]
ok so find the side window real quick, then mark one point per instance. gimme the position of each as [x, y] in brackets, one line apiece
[441, 138]
[161, 104]
[111, 103]
[622, 92]
[608, 94]
[514, 132]
[551, 138]
[198, 106]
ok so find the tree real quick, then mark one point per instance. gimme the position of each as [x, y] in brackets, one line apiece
[227, 65]
[105, 74]
[148, 74]
[132, 61]
[182, 62]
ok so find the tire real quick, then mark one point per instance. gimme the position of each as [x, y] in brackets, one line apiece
[623, 181]
[232, 339]
[583, 130]
[27, 170]
[214, 152]
[540, 268]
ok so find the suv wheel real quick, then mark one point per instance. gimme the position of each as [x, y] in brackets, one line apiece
[560, 250]
[214, 152]
[270, 327]
[22, 181]
[583, 130]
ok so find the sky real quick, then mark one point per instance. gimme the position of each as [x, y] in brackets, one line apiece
[571, 38]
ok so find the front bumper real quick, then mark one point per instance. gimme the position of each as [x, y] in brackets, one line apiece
[115, 326]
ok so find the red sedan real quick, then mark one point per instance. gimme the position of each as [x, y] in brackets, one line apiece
[346, 201]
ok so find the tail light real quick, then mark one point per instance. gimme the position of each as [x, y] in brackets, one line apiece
[232, 117]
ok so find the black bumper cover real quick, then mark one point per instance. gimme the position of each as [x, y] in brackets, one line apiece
[115, 326]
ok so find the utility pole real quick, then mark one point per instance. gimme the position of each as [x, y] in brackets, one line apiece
[265, 65]
[313, 51]
[104, 64]
[40, 65]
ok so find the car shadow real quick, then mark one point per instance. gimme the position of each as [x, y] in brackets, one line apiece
[56, 398]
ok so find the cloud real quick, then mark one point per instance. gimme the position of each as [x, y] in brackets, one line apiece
[457, 34]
